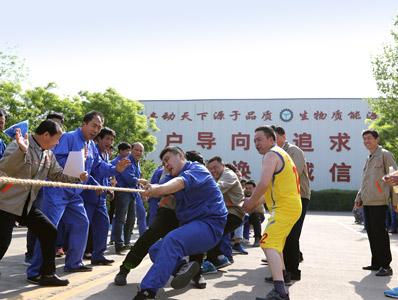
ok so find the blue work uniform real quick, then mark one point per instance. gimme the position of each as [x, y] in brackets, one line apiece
[129, 204]
[97, 212]
[201, 211]
[2, 148]
[68, 203]
[152, 201]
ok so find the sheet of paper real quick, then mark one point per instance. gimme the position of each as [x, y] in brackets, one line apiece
[74, 165]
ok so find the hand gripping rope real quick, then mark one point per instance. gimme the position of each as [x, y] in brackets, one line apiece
[19, 181]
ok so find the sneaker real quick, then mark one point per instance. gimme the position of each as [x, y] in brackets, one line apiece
[371, 268]
[52, 280]
[60, 252]
[222, 263]
[393, 293]
[384, 272]
[144, 294]
[120, 250]
[274, 295]
[102, 262]
[208, 268]
[199, 281]
[121, 277]
[231, 259]
[82, 268]
[184, 275]
[34, 279]
[237, 248]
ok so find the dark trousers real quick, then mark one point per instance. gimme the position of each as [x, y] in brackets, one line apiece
[164, 222]
[233, 222]
[256, 219]
[41, 226]
[291, 251]
[377, 234]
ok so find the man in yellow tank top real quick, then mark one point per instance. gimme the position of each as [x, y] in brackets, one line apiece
[280, 184]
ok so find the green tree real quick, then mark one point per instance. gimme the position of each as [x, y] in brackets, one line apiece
[12, 68]
[385, 71]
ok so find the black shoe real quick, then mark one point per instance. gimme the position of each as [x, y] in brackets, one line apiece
[274, 295]
[121, 277]
[79, 269]
[286, 279]
[120, 250]
[185, 274]
[34, 279]
[143, 295]
[199, 281]
[371, 268]
[52, 280]
[102, 262]
[384, 272]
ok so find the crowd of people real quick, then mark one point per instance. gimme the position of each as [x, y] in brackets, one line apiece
[192, 215]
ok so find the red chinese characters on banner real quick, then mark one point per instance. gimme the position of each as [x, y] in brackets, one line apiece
[185, 116]
[337, 115]
[304, 116]
[206, 140]
[234, 115]
[354, 115]
[340, 173]
[240, 140]
[244, 168]
[371, 115]
[303, 141]
[153, 115]
[202, 115]
[168, 116]
[251, 115]
[340, 141]
[219, 115]
[320, 115]
[173, 138]
[267, 116]
[310, 169]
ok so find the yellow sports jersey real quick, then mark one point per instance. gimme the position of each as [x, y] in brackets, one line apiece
[284, 190]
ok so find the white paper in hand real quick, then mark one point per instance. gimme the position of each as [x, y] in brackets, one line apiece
[74, 165]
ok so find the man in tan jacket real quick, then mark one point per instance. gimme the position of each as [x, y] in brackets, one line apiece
[30, 158]
[374, 195]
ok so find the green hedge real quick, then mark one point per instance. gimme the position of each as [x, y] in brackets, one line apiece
[332, 200]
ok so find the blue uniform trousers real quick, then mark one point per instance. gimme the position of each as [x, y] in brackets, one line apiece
[74, 216]
[141, 214]
[99, 221]
[197, 236]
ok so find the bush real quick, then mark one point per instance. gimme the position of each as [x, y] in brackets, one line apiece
[332, 200]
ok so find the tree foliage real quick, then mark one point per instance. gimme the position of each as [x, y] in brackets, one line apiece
[385, 72]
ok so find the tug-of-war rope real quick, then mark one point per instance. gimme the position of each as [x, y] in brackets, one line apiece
[19, 181]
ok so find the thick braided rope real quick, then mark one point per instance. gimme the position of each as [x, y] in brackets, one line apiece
[20, 181]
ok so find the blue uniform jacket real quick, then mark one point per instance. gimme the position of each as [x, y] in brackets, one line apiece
[156, 179]
[129, 177]
[74, 141]
[2, 148]
[201, 198]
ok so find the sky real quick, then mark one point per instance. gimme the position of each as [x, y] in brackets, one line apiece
[207, 49]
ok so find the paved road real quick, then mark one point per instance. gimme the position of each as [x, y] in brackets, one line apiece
[334, 250]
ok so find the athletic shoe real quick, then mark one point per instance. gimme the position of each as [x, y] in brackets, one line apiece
[52, 280]
[102, 262]
[222, 263]
[143, 295]
[286, 279]
[121, 277]
[238, 249]
[199, 281]
[208, 268]
[78, 269]
[274, 295]
[184, 275]
[34, 279]
[393, 293]
[384, 272]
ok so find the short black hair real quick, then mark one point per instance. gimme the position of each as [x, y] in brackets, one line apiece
[91, 115]
[215, 158]
[56, 115]
[373, 132]
[173, 149]
[106, 131]
[278, 130]
[49, 126]
[268, 131]
[3, 113]
[193, 155]
[123, 146]
[251, 182]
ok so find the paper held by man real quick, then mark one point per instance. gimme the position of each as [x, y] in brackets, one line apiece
[74, 165]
